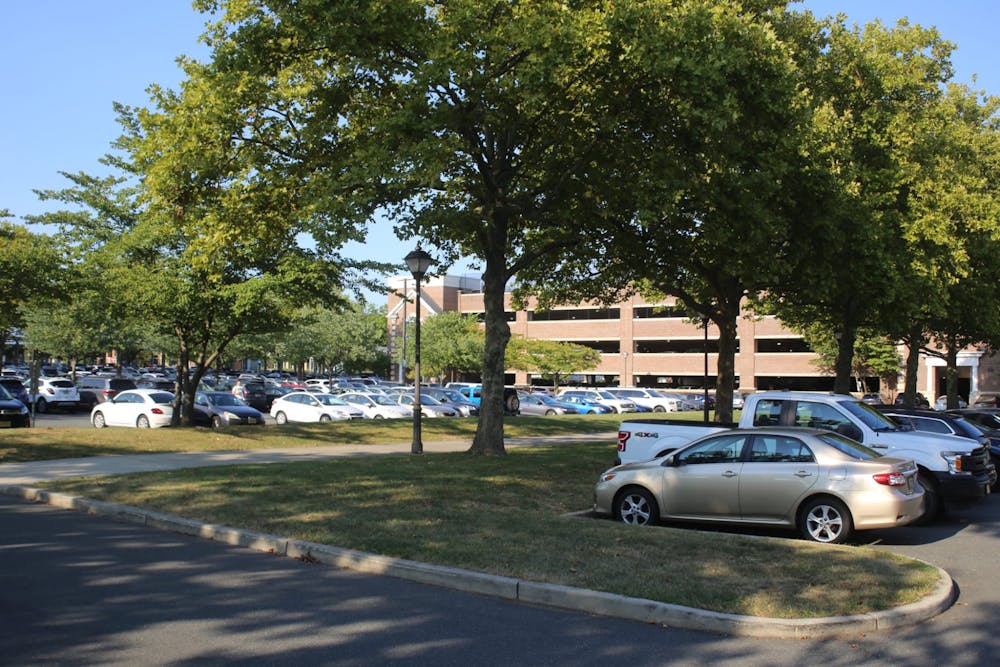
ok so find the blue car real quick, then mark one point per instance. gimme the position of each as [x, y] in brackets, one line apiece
[584, 406]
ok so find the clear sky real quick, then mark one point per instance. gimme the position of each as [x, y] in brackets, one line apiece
[65, 61]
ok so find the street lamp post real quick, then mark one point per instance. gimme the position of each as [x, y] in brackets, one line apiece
[417, 262]
[704, 324]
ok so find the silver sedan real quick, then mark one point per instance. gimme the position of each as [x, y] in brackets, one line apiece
[821, 483]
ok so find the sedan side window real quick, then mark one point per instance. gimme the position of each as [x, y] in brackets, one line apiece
[724, 449]
[780, 449]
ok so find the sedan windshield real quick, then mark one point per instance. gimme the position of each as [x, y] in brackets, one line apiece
[328, 399]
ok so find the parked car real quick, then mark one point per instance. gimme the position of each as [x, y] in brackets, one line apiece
[585, 406]
[304, 406]
[252, 391]
[649, 398]
[535, 404]
[376, 406]
[453, 398]
[430, 406]
[13, 412]
[935, 421]
[941, 403]
[96, 389]
[919, 400]
[16, 388]
[825, 485]
[142, 408]
[56, 392]
[986, 399]
[220, 408]
[604, 397]
[872, 399]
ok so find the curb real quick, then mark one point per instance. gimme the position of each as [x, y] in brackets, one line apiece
[509, 588]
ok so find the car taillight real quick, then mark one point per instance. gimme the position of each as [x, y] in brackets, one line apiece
[157, 411]
[51, 391]
[623, 437]
[890, 478]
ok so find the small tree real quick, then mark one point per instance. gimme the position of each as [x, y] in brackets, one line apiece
[553, 360]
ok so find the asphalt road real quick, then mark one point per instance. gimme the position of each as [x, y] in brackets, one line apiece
[77, 589]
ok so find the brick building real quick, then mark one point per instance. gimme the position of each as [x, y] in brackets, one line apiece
[653, 345]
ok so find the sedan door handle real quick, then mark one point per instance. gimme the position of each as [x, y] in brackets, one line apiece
[803, 473]
[729, 473]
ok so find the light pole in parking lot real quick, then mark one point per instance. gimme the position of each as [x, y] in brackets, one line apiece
[704, 347]
[417, 262]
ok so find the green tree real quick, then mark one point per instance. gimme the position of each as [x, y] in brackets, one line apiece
[553, 360]
[709, 183]
[451, 344]
[31, 268]
[874, 354]
[870, 260]
[474, 125]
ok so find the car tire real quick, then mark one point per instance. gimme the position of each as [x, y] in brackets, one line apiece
[933, 505]
[217, 421]
[41, 405]
[549, 413]
[511, 402]
[825, 520]
[659, 408]
[377, 417]
[280, 418]
[142, 422]
[98, 420]
[636, 506]
[324, 418]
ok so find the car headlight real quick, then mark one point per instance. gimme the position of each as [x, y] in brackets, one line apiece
[954, 460]
[231, 415]
[608, 476]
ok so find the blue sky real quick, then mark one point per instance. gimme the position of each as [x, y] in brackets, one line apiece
[66, 61]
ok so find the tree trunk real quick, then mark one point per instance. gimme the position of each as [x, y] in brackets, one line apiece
[489, 433]
[951, 373]
[726, 364]
[845, 360]
[912, 366]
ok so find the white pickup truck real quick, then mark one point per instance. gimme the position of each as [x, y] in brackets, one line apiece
[951, 469]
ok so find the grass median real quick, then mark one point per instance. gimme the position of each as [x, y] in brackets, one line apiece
[510, 516]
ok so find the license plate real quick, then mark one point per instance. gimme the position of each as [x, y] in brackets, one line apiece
[251, 420]
[4, 423]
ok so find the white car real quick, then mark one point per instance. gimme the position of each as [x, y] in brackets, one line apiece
[648, 398]
[430, 406]
[56, 392]
[142, 408]
[603, 397]
[376, 406]
[304, 406]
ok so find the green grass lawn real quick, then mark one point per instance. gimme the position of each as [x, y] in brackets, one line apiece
[501, 515]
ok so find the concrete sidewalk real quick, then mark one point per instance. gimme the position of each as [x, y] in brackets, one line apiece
[17, 479]
[100, 466]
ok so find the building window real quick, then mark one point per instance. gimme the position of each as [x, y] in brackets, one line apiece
[480, 316]
[574, 314]
[679, 346]
[781, 345]
[644, 312]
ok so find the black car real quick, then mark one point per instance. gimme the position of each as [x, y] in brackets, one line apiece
[988, 419]
[253, 393]
[96, 389]
[13, 413]
[16, 389]
[220, 408]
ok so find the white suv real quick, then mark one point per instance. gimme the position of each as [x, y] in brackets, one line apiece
[56, 392]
